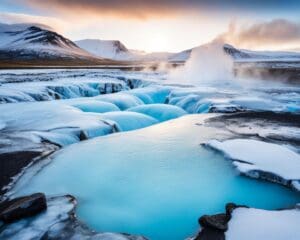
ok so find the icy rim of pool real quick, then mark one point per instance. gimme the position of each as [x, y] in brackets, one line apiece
[258, 159]
[58, 222]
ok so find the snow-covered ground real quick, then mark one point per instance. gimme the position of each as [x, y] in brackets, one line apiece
[41, 85]
[251, 223]
[256, 158]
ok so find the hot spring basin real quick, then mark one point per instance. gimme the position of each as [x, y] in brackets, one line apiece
[154, 181]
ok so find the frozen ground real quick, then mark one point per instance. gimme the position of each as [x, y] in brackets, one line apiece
[249, 224]
[256, 158]
[41, 85]
[157, 177]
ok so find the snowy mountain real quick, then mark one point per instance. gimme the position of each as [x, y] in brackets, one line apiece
[243, 55]
[23, 42]
[114, 49]
[27, 42]
[181, 56]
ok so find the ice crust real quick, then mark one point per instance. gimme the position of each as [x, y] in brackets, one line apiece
[253, 155]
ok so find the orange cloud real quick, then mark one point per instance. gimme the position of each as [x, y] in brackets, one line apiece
[137, 9]
[276, 34]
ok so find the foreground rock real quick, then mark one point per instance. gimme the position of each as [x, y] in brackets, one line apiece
[218, 221]
[57, 222]
[22, 207]
[213, 227]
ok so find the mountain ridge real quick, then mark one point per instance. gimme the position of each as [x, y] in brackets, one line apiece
[35, 42]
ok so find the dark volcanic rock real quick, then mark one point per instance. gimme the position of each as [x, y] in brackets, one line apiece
[213, 227]
[210, 234]
[22, 207]
[230, 207]
[218, 221]
[11, 164]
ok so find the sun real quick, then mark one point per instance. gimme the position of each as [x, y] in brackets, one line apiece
[156, 43]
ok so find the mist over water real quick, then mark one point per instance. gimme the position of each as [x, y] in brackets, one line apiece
[208, 64]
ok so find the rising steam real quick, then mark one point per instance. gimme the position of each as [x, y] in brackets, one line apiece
[208, 64]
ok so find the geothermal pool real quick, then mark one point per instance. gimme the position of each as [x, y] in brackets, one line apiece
[156, 181]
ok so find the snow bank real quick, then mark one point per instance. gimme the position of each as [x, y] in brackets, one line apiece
[161, 112]
[251, 156]
[42, 85]
[2, 125]
[127, 121]
[96, 106]
[52, 121]
[121, 100]
[255, 224]
[150, 94]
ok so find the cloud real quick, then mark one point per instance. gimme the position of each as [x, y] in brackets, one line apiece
[277, 33]
[155, 8]
[11, 18]
[117, 8]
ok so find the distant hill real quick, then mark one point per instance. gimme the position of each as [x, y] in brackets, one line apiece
[23, 42]
[114, 49]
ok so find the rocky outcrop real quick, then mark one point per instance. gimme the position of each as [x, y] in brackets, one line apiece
[57, 222]
[217, 221]
[213, 227]
[22, 207]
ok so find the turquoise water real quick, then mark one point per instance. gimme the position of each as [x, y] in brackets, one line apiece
[156, 181]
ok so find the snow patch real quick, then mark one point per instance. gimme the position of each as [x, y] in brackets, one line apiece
[250, 224]
[252, 155]
[127, 121]
[161, 112]
[96, 106]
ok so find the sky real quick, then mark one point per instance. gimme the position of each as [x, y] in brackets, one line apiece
[166, 25]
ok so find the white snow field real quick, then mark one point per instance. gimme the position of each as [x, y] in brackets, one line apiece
[254, 224]
[252, 157]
